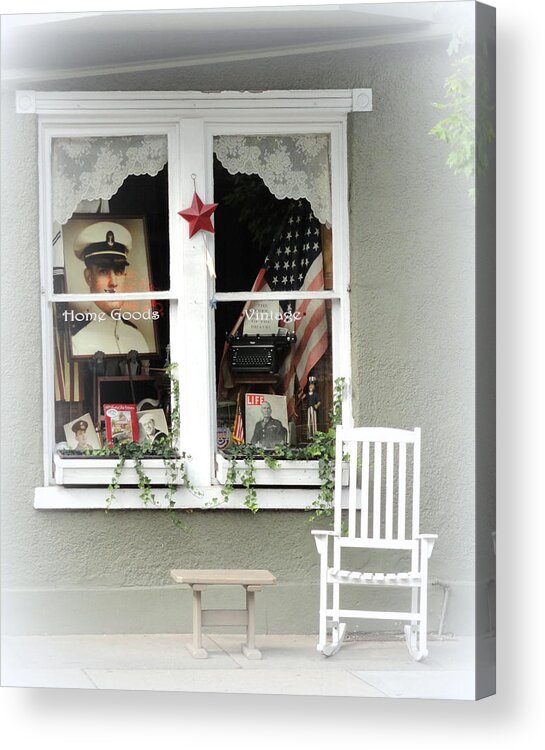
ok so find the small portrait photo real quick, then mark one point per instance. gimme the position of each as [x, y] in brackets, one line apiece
[106, 254]
[266, 420]
[152, 425]
[81, 434]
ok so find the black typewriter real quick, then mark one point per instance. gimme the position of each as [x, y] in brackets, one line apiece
[258, 354]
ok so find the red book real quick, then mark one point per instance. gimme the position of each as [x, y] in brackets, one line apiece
[121, 423]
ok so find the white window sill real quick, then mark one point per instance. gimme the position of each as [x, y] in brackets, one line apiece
[81, 483]
[287, 474]
[84, 470]
[127, 498]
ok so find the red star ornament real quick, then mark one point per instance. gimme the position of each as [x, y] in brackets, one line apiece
[198, 215]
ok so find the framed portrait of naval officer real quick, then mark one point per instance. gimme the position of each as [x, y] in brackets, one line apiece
[105, 254]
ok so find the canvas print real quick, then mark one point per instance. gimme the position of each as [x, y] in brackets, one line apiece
[108, 254]
[307, 507]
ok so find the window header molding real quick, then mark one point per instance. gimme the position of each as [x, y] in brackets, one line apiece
[194, 103]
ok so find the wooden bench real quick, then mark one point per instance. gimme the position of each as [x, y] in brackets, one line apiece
[199, 580]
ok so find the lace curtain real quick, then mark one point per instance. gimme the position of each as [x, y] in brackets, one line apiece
[90, 169]
[291, 166]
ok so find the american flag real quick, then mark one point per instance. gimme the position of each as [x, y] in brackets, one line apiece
[238, 427]
[295, 263]
[68, 378]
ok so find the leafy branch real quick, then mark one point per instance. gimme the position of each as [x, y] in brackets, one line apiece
[467, 137]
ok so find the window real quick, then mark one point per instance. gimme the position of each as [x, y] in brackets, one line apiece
[114, 173]
[274, 240]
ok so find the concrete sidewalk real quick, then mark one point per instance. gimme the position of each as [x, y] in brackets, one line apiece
[290, 666]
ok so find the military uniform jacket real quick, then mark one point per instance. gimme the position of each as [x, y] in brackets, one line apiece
[108, 336]
[268, 434]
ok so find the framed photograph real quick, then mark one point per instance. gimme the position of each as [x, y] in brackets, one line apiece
[121, 423]
[81, 434]
[266, 419]
[152, 425]
[104, 253]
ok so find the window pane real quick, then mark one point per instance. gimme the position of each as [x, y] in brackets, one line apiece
[108, 356]
[265, 241]
[110, 207]
[283, 354]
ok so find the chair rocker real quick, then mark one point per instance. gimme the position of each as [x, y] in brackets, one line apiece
[383, 513]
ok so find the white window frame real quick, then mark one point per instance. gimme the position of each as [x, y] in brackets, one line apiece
[190, 121]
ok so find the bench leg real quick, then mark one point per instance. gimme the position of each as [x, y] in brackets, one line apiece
[249, 650]
[196, 649]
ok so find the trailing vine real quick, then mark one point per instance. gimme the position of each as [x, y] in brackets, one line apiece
[165, 448]
[323, 445]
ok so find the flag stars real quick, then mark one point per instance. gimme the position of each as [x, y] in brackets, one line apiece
[284, 279]
[276, 266]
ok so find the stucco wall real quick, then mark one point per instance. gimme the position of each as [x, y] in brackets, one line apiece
[412, 301]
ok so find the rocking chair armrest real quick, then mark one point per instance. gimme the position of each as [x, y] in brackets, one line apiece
[321, 539]
[429, 540]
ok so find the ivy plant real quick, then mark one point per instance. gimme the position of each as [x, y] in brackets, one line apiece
[165, 448]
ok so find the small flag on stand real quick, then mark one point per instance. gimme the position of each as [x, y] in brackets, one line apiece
[238, 427]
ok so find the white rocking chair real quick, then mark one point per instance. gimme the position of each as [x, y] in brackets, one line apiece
[383, 514]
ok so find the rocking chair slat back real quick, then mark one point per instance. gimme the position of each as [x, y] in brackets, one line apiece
[401, 490]
[383, 473]
[389, 490]
[364, 521]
